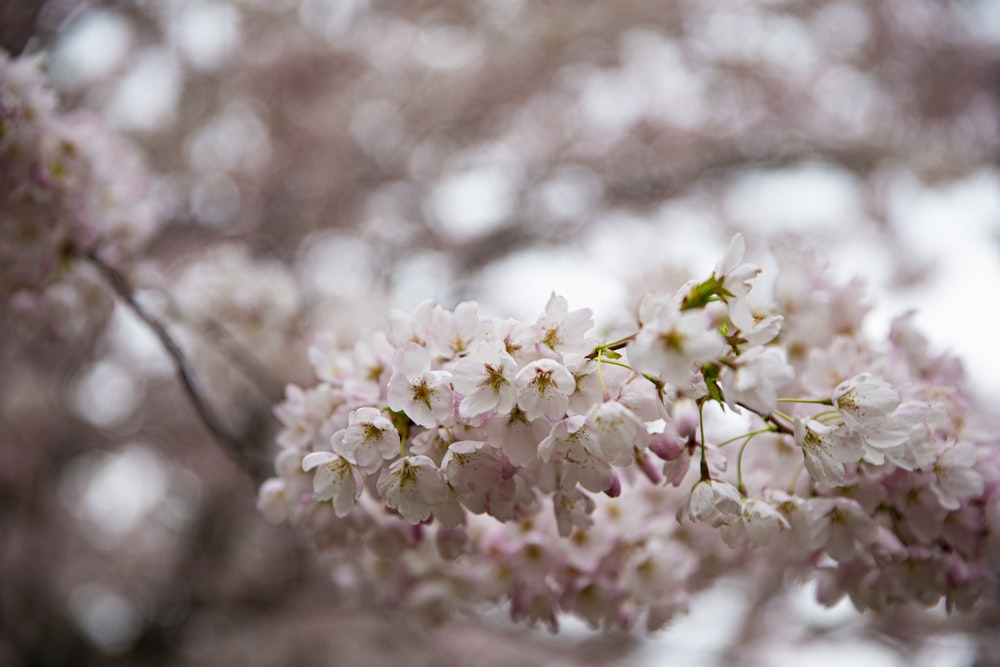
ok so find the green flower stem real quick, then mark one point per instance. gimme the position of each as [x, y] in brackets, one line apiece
[705, 475]
[816, 401]
[769, 429]
[795, 479]
[784, 416]
[739, 466]
[613, 345]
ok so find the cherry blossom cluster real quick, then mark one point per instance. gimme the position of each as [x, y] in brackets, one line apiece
[67, 186]
[461, 460]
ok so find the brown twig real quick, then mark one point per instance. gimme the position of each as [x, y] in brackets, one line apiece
[244, 455]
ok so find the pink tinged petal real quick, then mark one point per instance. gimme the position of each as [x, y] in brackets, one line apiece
[825, 451]
[413, 486]
[733, 257]
[271, 501]
[412, 360]
[864, 398]
[955, 479]
[572, 509]
[480, 401]
[619, 433]
[543, 389]
[590, 472]
[335, 479]
[715, 500]
[517, 436]
[473, 469]
[847, 526]
[701, 504]
[667, 446]
[648, 467]
[763, 522]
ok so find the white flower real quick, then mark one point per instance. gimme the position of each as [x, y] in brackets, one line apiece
[414, 487]
[865, 400]
[543, 389]
[715, 501]
[573, 509]
[305, 412]
[755, 380]
[424, 395]
[619, 432]
[954, 477]
[562, 330]
[842, 526]
[272, 501]
[574, 443]
[826, 451]
[453, 333]
[733, 272]
[517, 435]
[759, 524]
[588, 388]
[473, 469]
[335, 479]
[485, 378]
[674, 342]
[752, 330]
[368, 439]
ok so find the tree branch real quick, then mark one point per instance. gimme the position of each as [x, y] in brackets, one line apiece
[242, 453]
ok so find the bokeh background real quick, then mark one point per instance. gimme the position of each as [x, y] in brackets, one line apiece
[317, 162]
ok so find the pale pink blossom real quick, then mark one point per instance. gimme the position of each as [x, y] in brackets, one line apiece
[473, 469]
[485, 378]
[517, 435]
[414, 487]
[562, 330]
[752, 329]
[735, 274]
[755, 378]
[714, 501]
[865, 400]
[759, 524]
[543, 389]
[955, 478]
[573, 509]
[671, 345]
[619, 432]
[423, 394]
[573, 444]
[368, 439]
[452, 333]
[335, 480]
[826, 450]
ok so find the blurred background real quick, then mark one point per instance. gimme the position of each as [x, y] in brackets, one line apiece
[317, 162]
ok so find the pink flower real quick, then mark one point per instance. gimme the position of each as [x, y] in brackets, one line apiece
[954, 478]
[369, 439]
[673, 342]
[826, 451]
[543, 389]
[485, 379]
[619, 432]
[573, 443]
[424, 395]
[414, 487]
[562, 330]
[714, 501]
[732, 271]
[335, 479]
[759, 524]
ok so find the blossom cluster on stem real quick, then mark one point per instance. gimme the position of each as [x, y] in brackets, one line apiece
[68, 186]
[463, 459]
